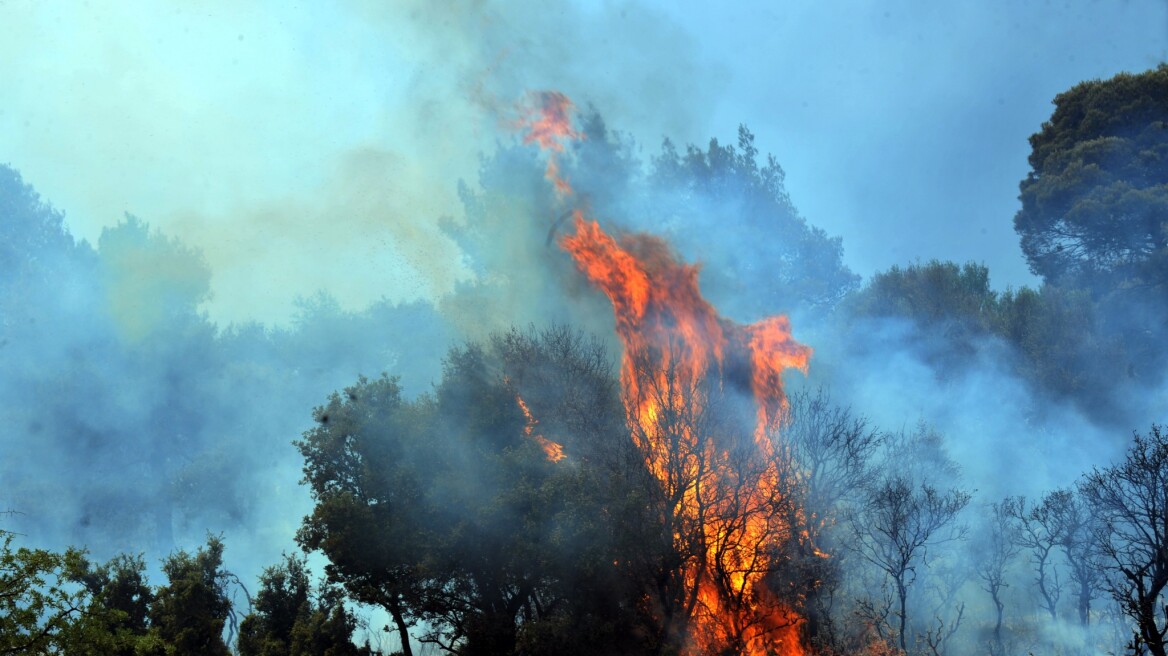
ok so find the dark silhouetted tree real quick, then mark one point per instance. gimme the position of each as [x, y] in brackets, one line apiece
[904, 515]
[1095, 204]
[995, 547]
[447, 509]
[292, 619]
[834, 450]
[1038, 533]
[1130, 501]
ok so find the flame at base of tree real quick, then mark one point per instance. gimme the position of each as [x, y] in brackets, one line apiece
[725, 497]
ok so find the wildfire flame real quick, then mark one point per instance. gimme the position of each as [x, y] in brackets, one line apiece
[678, 353]
[547, 122]
[554, 451]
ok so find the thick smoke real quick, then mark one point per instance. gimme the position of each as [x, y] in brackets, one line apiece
[144, 405]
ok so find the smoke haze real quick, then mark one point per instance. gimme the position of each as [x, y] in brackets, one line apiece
[262, 201]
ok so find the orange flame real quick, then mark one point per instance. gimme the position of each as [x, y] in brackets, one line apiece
[554, 451]
[547, 122]
[676, 349]
[660, 312]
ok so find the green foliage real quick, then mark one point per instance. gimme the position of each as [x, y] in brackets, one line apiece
[1095, 206]
[116, 620]
[940, 296]
[36, 603]
[291, 619]
[1064, 347]
[189, 613]
[447, 510]
[1060, 336]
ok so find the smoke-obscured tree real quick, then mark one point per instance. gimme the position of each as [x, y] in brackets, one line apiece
[834, 449]
[189, 614]
[783, 263]
[1095, 203]
[1063, 344]
[447, 509]
[906, 514]
[956, 300]
[44, 275]
[1057, 337]
[514, 217]
[995, 547]
[1130, 501]
[1076, 531]
[291, 618]
[1038, 534]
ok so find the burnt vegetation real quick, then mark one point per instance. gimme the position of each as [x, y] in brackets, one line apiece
[437, 506]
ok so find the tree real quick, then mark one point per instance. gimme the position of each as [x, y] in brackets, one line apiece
[453, 509]
[783, 263]
[953, 306]
[903, 516]
[293, 619]
[1095, 204]
[190, 613]
[1075, 530]
[1038, 532]
[834, 449]
[1130, 500]
[36, 604]
[997, 546]
[115, 622]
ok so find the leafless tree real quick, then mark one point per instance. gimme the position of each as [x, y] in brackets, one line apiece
[1038, 533]
[899, 522]
[1075, 529]
[996, 548]
[832, 450]
[1131, 501]
[726, 501]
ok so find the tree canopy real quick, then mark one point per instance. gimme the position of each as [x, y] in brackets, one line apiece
[1095, 204]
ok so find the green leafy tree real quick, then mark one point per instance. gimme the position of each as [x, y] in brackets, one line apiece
[1095, 204]
[448, 510]
[37, 605]
[291, 619]
[954, 305]
[115, 621]
[189, 613]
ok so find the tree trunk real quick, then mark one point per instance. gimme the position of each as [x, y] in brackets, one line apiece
[902, 592]
[403, 629]
[998, 651]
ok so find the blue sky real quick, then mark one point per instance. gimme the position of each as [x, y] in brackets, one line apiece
[304, 146]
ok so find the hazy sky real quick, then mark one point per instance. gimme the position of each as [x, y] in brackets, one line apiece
[307, 146]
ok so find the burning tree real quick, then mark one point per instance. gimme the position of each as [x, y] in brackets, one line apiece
[726, 488]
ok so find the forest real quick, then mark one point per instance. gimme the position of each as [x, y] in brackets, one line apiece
[553, 460]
